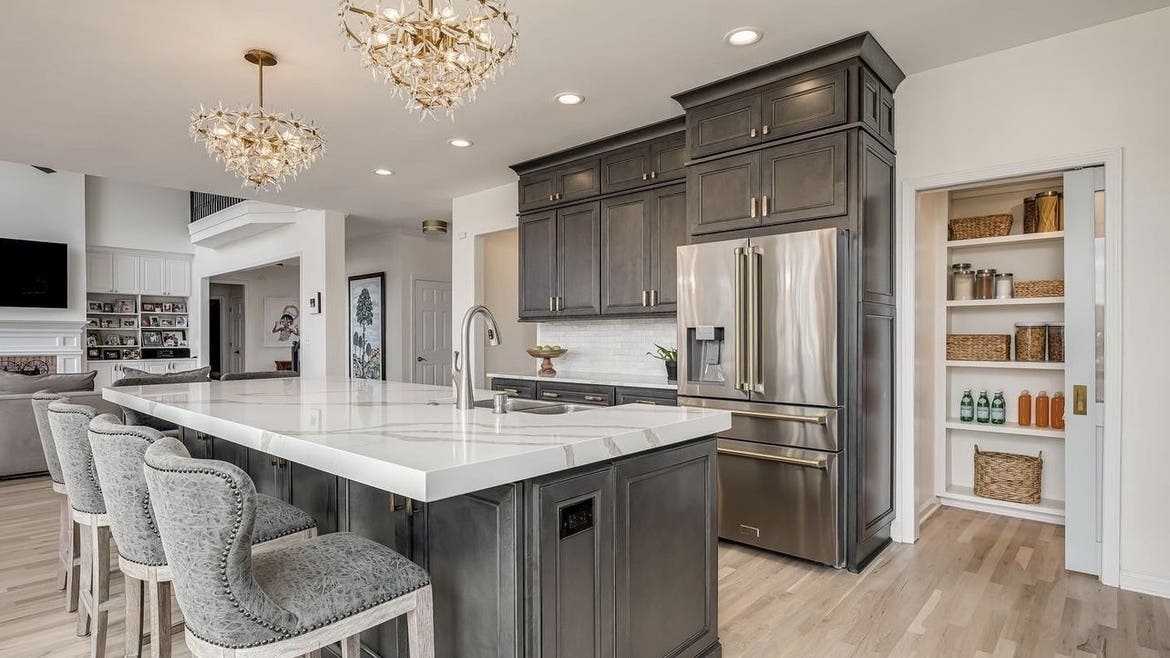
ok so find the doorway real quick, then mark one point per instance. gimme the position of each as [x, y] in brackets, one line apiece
[226, 328]
[1063, 280]
[431, 332]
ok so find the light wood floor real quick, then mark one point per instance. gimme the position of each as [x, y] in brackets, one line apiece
[974, 585]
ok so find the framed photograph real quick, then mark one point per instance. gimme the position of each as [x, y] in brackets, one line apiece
[95, 307]
[367, 326]
[173, 339]
[129, 323]
[315, 303]
[282, 318]
[167, 322]
[93, 353]
[125, 305]
[133, 355]
[180, 307]
[91, 340]
[130, 340]
[153, 321]
[111, 355]
[108, 323]
[181, 321]
[107, 307]
[113, 339]
[92, 322]
[151, 339]
[167, 307]
[148, 307]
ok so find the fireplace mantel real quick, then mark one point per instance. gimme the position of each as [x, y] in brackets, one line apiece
[61, 339]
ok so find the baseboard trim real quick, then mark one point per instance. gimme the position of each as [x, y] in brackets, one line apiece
[1145, 584]
[927, 510]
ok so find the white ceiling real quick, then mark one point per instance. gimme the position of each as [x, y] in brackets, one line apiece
[107, 87]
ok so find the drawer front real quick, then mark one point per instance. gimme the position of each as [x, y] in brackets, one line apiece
[537, 190]
[809, 102]
[516, 388]
[655, 396]
[723, 126]
[805, 180]
[601, 396]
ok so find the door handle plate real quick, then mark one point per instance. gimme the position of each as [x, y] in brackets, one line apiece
[1080, 400]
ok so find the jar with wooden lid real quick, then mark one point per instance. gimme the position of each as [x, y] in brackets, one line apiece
[963, 284]
[1049, 212]
[1030, 341]
[1056, 341]
[956, 269]
[1031, 217]
[985, 284]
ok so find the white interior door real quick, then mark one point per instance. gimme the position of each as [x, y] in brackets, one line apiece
[1084, 309]
[235, 310]
[431, 340]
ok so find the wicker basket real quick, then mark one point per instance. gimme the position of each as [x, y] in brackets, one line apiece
[1006, 476]
[979, 347]
[1041, 288]
[985, 226]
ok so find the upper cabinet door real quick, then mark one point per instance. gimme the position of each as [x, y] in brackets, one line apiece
[808, 102]
[578, 180]
[668, 230]
[579, 259]
[625, 253]
[626, 168]
[804, 180]
[668, 157]
[724, 125]
[153, 275]
[126, 273]
[886, 117]
[178, 277]
[99, 271]
[537, 190]
[723, 194]
[538, 254]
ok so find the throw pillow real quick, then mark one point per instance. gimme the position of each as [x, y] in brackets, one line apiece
[14, 383]
[136, 377]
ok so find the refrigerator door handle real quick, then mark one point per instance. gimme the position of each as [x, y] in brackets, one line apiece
[755, 367]
[812, 420]
[792, 461]
[740, 367]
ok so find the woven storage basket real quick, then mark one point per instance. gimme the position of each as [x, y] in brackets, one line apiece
[985, 226]
[1041, 288]
[979, 347]
[1006, 476]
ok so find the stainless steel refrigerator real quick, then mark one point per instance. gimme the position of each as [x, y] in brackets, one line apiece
[760, 334]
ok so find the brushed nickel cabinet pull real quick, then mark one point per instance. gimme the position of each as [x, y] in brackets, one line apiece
[764, 208]
[645, 176]
[653, 298]
[653, 174]
[765, 131]
[753, 207]
[550, 197]
[550, 304]
[752, 132]
[594, 398]
[645, 401]
[793, 461]
[550, 394]
[645, 297]
[512, 392]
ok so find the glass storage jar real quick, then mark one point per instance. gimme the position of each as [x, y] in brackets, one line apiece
[1030, 339]
[985, 284]
[1049, 212]
[964, 284]
[1003, 285]
[956, 269]
[1056, 341]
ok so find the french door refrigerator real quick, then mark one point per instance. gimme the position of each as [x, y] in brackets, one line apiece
[760, 335]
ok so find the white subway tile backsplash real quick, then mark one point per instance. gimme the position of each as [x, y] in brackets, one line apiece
[617, 346]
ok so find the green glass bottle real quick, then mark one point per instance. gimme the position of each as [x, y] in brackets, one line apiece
[982, 408]
[998, 409]
[966, 407]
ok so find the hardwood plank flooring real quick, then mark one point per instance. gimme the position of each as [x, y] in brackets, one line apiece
[974, 585]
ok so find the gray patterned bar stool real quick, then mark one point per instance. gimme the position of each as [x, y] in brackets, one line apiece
[287, 602]
[70, 426]
[118, 452]
[68, 564]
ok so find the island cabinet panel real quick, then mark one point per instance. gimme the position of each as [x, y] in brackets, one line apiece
[578, 260]
[313, 491]
[804, 180]
[593, 394]
[267, 476]
[571, 576]
[666, 590]
[538, 264]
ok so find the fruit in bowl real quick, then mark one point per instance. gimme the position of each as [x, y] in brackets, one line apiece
[548, 353]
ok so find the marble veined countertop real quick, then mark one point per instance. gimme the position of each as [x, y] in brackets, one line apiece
[599, 378]
[410, 439]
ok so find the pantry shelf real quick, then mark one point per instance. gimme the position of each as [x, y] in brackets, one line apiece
[1011, 365]
[1012, 428]
[1047, 510]
[1005, 240]
[1015, 301]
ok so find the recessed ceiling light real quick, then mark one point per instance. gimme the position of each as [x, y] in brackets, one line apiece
[570, 98]
[744, 36]
[460, 142]
[383, 172]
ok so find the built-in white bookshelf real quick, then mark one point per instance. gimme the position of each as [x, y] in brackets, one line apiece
[125, 324]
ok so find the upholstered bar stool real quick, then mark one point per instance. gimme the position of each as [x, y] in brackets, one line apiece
[69, 424]
[287, 602]
[118, 452]
[68, 562]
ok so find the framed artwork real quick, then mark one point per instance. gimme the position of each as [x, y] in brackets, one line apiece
[95, 307]
[367, 326]
[111, 355]
[92, 322]
[133, 355]
[113, 339]
[91, 340]
[107, 307]
[130, 340]
[151, 339]
[167, 307]
[148, 307]
[93, 354]
[173, 339]
[125, 306]
[168, 322]
[282, 317]
[180, 307]
[153, 321]
[129, 323]
[181, 321]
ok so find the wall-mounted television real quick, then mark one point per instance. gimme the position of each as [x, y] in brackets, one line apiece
[34, 274]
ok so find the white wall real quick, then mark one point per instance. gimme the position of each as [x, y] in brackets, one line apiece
[50, 208]
[501, 282]
[1099, 88]
[134, 216]
[260, 284]
[403, 255]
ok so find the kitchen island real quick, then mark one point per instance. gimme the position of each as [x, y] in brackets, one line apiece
[587, 533]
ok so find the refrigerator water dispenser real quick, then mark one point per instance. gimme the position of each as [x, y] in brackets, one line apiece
[704, 354]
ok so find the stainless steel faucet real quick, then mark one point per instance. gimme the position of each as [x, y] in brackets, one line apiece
[461, 365]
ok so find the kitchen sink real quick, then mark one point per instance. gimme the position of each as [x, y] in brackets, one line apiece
[515, 405]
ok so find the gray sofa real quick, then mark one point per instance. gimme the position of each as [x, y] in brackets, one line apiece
[20, 445]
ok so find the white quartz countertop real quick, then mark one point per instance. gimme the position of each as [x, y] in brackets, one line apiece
[598, 378]
[410, 439]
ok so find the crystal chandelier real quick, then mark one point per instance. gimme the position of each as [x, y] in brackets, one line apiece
[260, 147]
[434, 54]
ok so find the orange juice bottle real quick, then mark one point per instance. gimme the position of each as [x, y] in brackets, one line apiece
[1042, 409]
[1058, 411]
[1024, 409]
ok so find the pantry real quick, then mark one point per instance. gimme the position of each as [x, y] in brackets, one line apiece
[1008, 360]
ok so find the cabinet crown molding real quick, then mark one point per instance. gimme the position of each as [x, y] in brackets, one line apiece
[603, 145]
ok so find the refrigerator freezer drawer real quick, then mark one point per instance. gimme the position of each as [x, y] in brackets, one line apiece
[815, 428]
[780, 499]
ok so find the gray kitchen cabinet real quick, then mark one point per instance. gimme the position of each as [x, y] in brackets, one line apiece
[578, 180]
[625, 168]
[668, 158]
[871, 501]
[668, 230]
[515, 388]
[666, 588]
[578, 260]
[722, 194]
[227, 451]
[571, 577]
[313, 491]
[804, 180]
[538, 190]
[538, 264]
[724, 126]
[593, 394]
[804, 103]
[265, 471]
[877, 190]
[655, 396]
[626, 253]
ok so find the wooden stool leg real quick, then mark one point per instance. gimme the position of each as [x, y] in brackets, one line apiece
[64, 563]
[351, 647]
[100, 553]
[160, 618]
[133, 596]
[73, 579]
[84, 579]
[420, 627]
